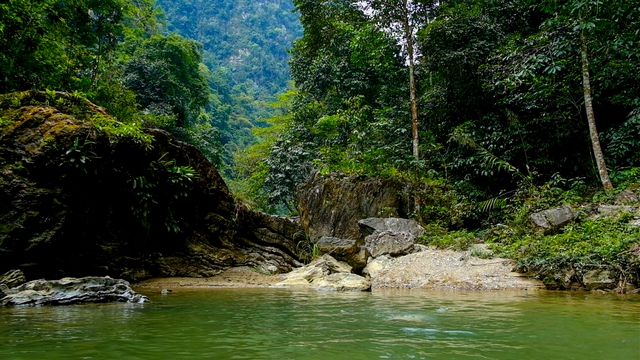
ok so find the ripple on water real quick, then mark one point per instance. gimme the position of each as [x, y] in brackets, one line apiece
[282, 324]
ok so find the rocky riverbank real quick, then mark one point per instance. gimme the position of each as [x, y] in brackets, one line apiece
[431, 269]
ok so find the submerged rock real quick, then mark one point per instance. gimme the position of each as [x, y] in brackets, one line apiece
[327, 274]
[72, 291]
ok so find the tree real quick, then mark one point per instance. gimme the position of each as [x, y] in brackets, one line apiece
[403, 18]
[165, 73]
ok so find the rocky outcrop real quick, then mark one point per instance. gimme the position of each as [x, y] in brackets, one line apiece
[333, 205]
[375, 266]
[553, 219]
[72, 291]
[326, 274]
[12, 278]
[79, 197]
[598, 279]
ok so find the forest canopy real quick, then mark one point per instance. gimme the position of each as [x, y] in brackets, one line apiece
[500, 93]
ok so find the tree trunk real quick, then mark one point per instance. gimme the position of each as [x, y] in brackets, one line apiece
[412, 82]
[593, 131]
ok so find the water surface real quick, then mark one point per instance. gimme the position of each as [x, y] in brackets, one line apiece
[283, 324]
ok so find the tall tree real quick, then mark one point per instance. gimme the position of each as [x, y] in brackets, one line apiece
[581, 7]
[403, 18]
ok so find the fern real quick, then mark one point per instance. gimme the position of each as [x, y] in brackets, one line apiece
[461, 136]
[495, 203]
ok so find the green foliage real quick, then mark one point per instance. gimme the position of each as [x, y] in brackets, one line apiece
[455, 240]
[118, 131]
[78, 155]
[155, 191]
[165, 73]
[592, 244]
[436, 202]
[5, 122]
[245, 45]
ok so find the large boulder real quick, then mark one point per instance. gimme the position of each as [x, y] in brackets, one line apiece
[80, 197]
[72, 291]
[327, 274]
[371, 225]
[332, 205]
[552, 219]
[389, 243]
[346, 250]
[390, 236]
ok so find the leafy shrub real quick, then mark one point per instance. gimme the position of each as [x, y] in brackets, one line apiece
[592, 244]
[117, 131]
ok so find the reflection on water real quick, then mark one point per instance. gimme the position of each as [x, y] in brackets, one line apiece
[282, 324]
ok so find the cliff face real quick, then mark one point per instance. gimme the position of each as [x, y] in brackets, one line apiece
[81, 194]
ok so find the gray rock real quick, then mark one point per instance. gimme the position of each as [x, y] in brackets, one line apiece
[598, 279]
[627, 197]
[327, 274]
[560, 279]
[553, 219]
[615, 210]
[12, 278]
[389, 243]
[331, 205]
[345, 250]
[372, 225]
[72, 291]
[334, 246]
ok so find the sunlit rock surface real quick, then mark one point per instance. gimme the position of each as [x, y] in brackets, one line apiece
[72, 291]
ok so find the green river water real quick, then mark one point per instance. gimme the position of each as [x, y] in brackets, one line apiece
[284, 324]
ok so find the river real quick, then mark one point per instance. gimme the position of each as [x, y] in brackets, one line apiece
[283, 324]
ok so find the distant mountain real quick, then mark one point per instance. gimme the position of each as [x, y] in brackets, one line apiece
[249, 39]
[245, 47]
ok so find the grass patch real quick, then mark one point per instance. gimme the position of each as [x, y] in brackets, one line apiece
[440, 238]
